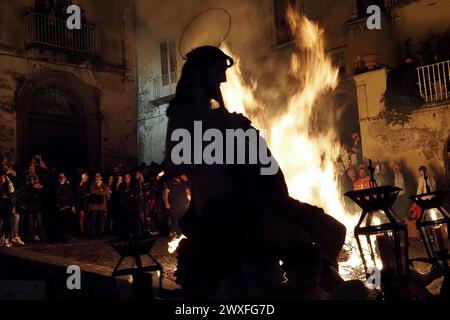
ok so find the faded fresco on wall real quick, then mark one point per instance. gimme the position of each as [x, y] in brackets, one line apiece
[429, 141]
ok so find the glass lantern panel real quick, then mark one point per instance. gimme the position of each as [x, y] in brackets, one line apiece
[432, 215]
[404, 253]
[379, 251]
[436, 237]
[375, 218]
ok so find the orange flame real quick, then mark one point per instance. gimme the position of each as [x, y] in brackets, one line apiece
[306, 157]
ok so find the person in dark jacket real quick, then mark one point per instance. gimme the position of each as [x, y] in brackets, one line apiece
[176, 200]
[16, 214]
[6, 206]
[109, 215]
[116, 204]
[97, 206]
[65, 206]
[143, 203]
[82, 196]
[129, 194]
[34, 197]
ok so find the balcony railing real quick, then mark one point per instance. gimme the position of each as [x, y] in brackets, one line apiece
[434, 81]
[164, 87]
[391, 3]
[50, 31]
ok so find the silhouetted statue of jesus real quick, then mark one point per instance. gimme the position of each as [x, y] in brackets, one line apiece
[240, 223]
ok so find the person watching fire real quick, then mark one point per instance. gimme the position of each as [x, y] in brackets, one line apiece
[363, 181]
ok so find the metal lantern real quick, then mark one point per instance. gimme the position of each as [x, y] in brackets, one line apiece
[433, 223]
[381, 235]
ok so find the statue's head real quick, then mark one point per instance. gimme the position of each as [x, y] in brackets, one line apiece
[203, 72]
[211, 64]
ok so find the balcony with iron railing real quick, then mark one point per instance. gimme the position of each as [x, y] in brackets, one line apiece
[393, 3]
[48, 31]
[162, 89]
[434, 82]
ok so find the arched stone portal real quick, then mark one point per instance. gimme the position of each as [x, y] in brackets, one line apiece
[58, 117]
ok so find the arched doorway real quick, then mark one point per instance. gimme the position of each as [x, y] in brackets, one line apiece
[58, 117]
[57, 127]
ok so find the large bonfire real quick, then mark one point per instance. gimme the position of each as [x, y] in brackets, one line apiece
[307, 157]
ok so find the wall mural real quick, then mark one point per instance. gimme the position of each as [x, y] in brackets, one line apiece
[430, 141]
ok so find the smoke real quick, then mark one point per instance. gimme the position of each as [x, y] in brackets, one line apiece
[252, 39]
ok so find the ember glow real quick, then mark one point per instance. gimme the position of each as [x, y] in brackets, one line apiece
[307, 158]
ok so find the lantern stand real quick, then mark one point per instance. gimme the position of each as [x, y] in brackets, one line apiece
[142, 281]
[433, 225]
[385, 238]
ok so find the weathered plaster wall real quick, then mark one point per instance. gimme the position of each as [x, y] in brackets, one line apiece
[422, 141]
[112, 76]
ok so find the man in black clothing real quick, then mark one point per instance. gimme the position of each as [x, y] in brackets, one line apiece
[6, 206]
[65, 206]
[176, 200]
[34, 201]
[130, 220]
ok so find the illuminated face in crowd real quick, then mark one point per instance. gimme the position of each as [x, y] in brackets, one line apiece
[98, 178]
[139, 176]
[127, 179]
[422, 171]
[351, 173]
[362, 173]
[396, 167]
[62, 178]
[32, 180]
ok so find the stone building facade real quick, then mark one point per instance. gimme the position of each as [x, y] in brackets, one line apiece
[406, 26]
[68, 95]
[424, 139]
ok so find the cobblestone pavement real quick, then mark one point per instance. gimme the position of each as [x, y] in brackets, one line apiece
[100, 252]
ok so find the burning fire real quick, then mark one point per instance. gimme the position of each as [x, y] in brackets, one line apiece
[173, 243]
[307, 158]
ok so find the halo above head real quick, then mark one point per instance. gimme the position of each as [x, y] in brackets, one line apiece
[208, 28]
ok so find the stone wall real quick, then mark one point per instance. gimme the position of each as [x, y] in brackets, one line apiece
[111, 76]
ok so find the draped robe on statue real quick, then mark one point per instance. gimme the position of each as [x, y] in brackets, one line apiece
[239, 223]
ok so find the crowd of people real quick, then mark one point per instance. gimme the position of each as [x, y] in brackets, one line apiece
[356, 176]
[39, 204]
